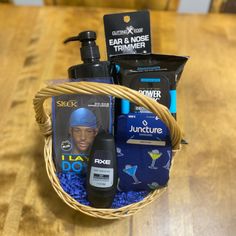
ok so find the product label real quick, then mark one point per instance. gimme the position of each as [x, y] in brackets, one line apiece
[145, 127]
[153, 87]
[128, 33]
[101, 177]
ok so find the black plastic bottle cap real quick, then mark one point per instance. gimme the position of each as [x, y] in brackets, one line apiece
[89, 50]
[87, 35]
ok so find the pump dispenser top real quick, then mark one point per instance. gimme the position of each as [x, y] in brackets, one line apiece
[89, 50]
[92, 66]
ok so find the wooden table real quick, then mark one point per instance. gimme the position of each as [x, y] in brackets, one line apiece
[201, 198]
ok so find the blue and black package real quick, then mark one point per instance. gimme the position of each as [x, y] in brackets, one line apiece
[144, 152]
[153, 75]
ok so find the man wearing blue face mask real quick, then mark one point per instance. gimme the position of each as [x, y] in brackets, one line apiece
[83, 129]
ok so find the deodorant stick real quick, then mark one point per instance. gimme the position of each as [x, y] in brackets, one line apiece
[102, 171]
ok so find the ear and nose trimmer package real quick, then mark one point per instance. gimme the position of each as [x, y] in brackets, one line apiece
[127, 33]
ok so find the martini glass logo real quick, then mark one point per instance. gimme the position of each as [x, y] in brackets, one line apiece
[155, 155]
[168, 164]
[131, 171]
[119, 152]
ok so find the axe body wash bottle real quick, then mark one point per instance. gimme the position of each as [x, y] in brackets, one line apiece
[102, 171]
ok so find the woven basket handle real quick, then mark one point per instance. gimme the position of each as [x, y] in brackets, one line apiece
[93, 88]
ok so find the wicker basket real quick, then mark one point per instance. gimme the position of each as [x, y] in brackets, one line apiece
[93, 88]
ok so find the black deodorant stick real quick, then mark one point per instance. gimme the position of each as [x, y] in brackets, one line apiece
[102, 171]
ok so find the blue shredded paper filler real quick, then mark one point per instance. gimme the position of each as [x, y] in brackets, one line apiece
[74, 185]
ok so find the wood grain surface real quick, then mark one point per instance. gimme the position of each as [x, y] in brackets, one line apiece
[201, 197]
[138, 4]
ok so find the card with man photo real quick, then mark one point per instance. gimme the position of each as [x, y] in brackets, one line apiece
[77, 119]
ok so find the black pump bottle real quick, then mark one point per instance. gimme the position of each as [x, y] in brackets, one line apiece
[92, 66]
